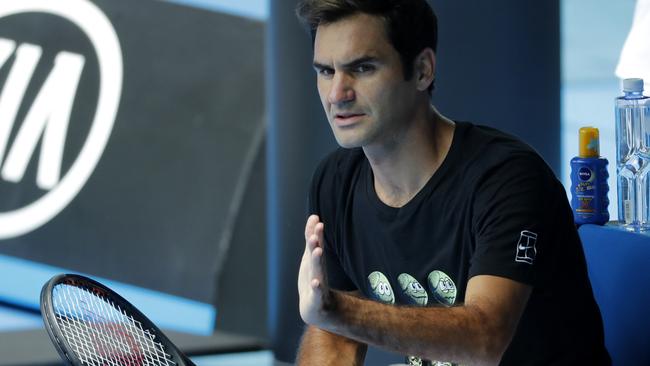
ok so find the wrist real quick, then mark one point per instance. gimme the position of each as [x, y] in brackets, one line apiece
[328, 311]
[330, 301]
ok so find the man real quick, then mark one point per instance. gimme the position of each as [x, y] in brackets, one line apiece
[437, 239]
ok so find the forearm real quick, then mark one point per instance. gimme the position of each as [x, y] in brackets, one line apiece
[462, 334]
[319, 347]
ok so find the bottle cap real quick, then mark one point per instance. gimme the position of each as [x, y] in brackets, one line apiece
[589, 142]
[633, 85]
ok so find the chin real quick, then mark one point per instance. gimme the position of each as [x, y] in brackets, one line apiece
[347, 142]
[353, 137]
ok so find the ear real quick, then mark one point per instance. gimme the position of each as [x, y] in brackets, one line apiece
[425, 68]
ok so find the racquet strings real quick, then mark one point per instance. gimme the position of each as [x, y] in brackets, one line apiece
[101, 333]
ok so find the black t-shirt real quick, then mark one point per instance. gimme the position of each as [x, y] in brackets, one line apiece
[492, 208]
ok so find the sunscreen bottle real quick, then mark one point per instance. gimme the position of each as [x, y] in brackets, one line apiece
[589, 181]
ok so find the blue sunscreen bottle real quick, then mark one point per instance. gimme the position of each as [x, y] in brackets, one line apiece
[589, 181]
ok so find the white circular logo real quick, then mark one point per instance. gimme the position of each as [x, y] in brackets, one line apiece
[102, 36]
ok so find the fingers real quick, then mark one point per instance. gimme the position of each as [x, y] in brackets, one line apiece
[316, 254]
[317, 237]
[316, 267]
[312, 243]
[309, 227]
[319, 231]
[312, 257]
[315, 283]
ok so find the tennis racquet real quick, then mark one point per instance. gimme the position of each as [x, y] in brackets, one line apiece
[91, 325]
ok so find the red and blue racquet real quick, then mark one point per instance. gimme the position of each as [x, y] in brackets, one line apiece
[91, 325]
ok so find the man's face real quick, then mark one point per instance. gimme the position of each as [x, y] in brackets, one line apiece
[361, 82]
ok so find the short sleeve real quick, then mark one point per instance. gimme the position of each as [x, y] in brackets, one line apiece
[322, 198]
[512, 210]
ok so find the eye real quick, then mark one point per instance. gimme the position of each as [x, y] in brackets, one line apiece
[363, 68]
[325, 72]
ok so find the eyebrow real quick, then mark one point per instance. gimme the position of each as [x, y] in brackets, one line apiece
[348, 65]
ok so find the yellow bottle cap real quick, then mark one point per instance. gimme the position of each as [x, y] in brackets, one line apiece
[589, 142]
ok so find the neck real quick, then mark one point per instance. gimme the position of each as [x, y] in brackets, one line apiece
[404, 165]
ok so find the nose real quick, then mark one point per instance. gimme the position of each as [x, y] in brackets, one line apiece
[341, 90]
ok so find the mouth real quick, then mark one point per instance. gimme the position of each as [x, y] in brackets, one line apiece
[347, 119]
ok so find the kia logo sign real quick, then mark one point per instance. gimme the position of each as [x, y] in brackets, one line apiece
[48, 116]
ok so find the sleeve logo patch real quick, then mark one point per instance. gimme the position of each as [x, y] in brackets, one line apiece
[526, 250]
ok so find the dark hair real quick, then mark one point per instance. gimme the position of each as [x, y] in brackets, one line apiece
[411, 25]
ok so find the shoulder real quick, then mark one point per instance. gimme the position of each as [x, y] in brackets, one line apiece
[511, 183]
[489, 152]
[498, 144]
[505, 174]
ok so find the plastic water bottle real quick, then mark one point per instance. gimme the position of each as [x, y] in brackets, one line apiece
[632, 111]
[589, 181]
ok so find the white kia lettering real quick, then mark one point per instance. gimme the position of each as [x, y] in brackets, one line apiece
[48, 116]
[27, 57]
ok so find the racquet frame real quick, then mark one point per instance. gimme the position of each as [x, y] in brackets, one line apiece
[59, 340]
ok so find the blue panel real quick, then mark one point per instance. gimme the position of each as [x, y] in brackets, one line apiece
[619, 263]
[256, 9]
[259, 358]
[14, 320]
[23, 285]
